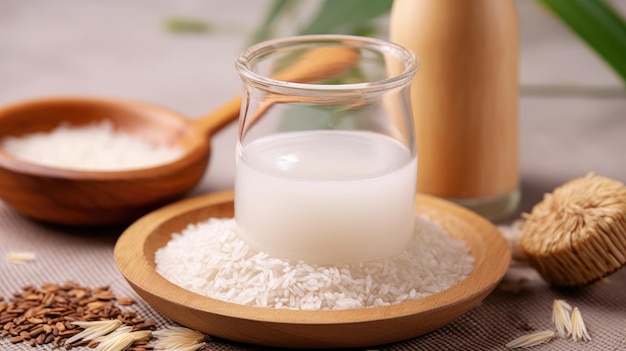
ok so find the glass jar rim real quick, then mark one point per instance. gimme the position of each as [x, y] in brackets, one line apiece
[249, 56]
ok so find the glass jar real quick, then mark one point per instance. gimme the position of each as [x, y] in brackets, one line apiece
[326, 158]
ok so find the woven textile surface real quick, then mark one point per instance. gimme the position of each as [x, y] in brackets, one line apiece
[86, 257]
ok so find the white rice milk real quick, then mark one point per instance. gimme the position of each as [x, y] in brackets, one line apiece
[326, 196]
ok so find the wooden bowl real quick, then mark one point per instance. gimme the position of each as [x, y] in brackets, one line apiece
[135, 250]
[78, 197]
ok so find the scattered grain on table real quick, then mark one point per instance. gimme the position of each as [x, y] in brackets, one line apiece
[567, 321]
[51, 314]
[20, 256]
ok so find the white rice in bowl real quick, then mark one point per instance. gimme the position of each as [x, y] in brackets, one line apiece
[94, 147]
[208, 258]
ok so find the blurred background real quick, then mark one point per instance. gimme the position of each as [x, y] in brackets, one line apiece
[180, 54]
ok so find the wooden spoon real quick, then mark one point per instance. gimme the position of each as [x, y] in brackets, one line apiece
[317, 64]
[81, 197]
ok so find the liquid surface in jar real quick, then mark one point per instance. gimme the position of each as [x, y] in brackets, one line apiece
[326, 196]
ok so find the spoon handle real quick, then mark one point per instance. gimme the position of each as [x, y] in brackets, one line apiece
[316, 64]
[218, 119]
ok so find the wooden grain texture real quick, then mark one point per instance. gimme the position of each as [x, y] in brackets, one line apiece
[134, 255]
[465, 99]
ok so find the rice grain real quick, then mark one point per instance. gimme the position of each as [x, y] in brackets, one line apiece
[210, 259]
[94, 147]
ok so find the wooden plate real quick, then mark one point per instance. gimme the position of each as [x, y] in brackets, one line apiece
[134, 255]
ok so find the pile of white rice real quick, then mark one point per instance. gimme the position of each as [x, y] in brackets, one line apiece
[209, 258]
[96, 147]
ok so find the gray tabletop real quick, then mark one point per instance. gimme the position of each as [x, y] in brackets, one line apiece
[572, 121]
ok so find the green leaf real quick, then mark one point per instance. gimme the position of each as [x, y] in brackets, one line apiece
[277, 9]
[180, 25]
[303, 117]
[335, 15]
[598, 24]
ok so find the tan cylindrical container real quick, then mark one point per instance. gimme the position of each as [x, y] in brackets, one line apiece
[465, 101]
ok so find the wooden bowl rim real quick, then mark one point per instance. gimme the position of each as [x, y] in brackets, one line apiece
[20, 166]
[489, 269]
